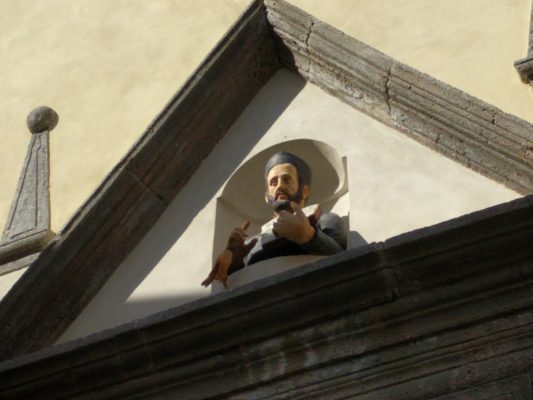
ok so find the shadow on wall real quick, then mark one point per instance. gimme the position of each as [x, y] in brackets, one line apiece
[270, 102]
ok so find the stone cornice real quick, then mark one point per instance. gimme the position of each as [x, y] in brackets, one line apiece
[386, 315]
[524, 67]
[30, 243]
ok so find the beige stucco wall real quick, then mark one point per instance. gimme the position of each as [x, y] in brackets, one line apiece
[396, 185]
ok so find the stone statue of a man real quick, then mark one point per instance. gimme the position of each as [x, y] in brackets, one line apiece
[288, 186]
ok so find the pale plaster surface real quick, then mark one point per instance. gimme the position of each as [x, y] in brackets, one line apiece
[395, 185]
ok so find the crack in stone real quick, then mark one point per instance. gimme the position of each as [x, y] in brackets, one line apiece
[387, 88]
[306, 44]
[493, 118]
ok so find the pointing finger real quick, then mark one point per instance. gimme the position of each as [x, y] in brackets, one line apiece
[245, 225]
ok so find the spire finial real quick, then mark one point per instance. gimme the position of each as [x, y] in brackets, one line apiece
[42, 119]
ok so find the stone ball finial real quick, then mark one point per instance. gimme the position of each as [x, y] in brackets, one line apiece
[42, 119]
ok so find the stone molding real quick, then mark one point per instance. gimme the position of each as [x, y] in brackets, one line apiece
[459, 126]
[75, 265]
[27, 229]
[412, 317]
[524, 66]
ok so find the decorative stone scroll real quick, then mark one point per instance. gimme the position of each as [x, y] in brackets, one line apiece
[27, 229]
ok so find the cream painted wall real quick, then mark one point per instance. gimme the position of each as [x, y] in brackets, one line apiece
[469, 44]
[396, 185]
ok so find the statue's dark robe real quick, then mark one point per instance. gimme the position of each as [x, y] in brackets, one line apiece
[329, 238]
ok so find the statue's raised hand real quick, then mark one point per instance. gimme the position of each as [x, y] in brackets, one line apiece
[234, 254]
[294, 226]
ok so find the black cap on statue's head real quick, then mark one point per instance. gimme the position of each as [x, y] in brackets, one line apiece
[303, 170]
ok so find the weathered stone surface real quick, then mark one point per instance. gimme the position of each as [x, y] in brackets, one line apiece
[42, 119]
[17, 264]
[462, 127]
[323, 55]
[204, 109]
[343, 327]
[67, 265]
[524, 67]
[27, 228]
[515, 388]
[30, 210]
[25, 245]
[481, 234]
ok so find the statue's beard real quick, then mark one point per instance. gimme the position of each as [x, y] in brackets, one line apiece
[285, 204]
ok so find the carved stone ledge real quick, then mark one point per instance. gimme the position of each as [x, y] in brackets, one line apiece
[22, 248]
[441, 310]
[19, 263]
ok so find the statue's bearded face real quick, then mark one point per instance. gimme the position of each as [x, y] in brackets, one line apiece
[283, 187]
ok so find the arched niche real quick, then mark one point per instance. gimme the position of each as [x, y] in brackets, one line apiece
[243, 199]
